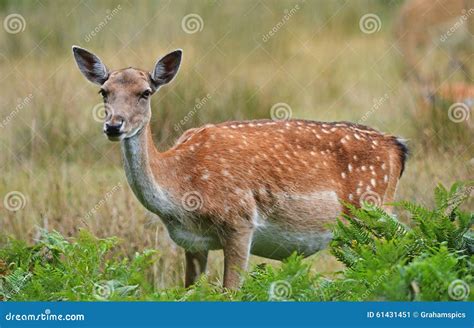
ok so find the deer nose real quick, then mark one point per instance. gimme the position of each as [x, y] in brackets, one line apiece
[113, 128]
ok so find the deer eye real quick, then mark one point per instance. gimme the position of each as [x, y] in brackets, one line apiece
[145, 94]
[103, 93]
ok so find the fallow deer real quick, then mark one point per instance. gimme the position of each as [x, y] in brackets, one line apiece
[260, 187]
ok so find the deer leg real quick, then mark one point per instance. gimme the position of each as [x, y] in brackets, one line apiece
[195, 266]
[236, 255]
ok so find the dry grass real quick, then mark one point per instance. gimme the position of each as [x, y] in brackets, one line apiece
[319, 62]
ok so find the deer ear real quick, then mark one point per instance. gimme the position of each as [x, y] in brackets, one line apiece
[166, 68]
[90, 65]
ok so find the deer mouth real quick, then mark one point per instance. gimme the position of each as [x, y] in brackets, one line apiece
[114, 136]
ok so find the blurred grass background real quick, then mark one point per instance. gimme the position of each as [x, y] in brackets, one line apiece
[319, 62]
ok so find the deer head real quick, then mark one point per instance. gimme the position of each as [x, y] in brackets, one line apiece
[126, 92]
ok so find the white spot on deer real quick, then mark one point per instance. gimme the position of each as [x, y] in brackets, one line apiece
[325, 131]
[363, 168]
[343, 175]
[351, 197]
[225, 173]
[385, 178]
[349, 167]
[355, 157]
[318, 136]
[372, 182]
[312, 153]
[360, 184]
[233, 126]
[357, 136]
[359, 191]
[383, 166]
[205, 176]
[375, 142]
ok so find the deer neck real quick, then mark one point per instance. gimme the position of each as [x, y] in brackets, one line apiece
[144, 165]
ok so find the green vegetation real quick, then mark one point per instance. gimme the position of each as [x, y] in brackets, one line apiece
[385, 260]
